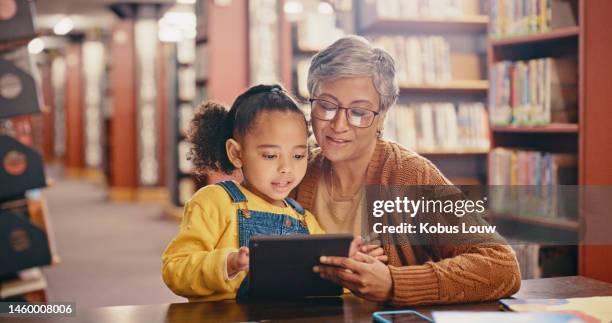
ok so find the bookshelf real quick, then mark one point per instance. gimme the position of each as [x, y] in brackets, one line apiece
[220, 45]
[559, 42]
[458, 30]
[465, 24]
[451, 153]
[585, 138]
[453, 86]
[25, 231]
[561, 224]
[547, 129]
[554, 37]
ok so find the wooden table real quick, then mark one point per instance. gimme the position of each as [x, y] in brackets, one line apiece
[346, 309]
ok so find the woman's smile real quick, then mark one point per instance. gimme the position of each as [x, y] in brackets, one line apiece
[337, 141]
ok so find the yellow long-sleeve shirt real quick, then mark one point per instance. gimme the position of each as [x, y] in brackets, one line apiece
[194, 262]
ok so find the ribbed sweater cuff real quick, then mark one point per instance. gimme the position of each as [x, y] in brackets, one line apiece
[414, 285]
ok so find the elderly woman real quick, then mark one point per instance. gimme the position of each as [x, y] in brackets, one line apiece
[352, 86]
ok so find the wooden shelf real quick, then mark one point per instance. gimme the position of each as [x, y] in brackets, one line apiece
[554, 223]
[306, 50]
[551, 36]
[450, 153]
[552, 128]
[465, 24]
[201, 39]
[556, 43]
[16, 43]
[468, 86]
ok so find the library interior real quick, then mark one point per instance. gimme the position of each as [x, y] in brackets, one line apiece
[102, 111]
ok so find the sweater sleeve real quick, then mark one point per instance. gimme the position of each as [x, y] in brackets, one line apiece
[469, 268]
[194, 262]
[470, 274]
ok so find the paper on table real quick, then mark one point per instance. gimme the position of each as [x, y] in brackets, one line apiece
[486, 317]
[590, 309]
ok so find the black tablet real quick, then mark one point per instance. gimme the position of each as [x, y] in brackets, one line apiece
[280, 267]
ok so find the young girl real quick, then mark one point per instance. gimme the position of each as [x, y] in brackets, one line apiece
[265, 136]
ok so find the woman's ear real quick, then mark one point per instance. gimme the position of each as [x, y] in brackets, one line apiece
[234, 152]
[381, 121]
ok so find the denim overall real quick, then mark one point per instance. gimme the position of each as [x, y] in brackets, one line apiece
[252, 223]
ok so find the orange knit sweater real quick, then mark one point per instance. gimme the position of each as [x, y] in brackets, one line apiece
[450, 273]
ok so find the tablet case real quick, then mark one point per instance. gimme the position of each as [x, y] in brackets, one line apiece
[281, 266]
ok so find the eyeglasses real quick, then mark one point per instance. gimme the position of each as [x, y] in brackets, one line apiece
[356, 116]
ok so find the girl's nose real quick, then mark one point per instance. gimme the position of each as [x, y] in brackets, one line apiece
[284, 166]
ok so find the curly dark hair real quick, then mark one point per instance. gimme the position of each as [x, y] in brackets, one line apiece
[213, 125]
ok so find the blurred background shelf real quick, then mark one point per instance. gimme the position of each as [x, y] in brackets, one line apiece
[550, 37]
[451, 153]
[556, 43]
[470, 86]
[551, 128]
[465, 24]
[555, 223]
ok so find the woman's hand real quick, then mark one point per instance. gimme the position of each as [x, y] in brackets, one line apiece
[374, 250]
[366, 276]
[238, 261]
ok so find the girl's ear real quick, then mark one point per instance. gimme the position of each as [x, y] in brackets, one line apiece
[234, 152]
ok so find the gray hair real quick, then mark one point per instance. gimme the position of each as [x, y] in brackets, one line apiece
[354, 56]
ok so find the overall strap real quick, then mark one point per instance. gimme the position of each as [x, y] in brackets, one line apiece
[234, 192]
[295, 205]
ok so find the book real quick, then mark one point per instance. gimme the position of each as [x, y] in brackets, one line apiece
[186, 84]
[534, 92]
[201, 62]
[486, 317]
[185, 115]
[186, 51]
[27, 281]
[316, 31]
[439, 126]
[538, 260]
[185, 165]
[545, 183]
[420, 59]
[588, 309]
[411, 9]
[511, 18]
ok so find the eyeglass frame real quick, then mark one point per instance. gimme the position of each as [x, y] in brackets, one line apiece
[340, 107]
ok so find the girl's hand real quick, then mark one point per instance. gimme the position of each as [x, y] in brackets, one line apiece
[238, 261]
